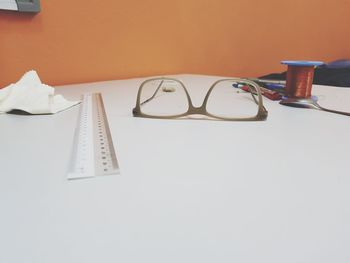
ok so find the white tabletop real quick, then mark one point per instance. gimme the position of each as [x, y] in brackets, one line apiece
[189, 190]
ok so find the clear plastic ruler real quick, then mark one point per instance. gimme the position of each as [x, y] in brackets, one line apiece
[93, 151]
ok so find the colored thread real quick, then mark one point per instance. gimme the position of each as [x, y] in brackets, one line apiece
[299, 81]
[300, 75]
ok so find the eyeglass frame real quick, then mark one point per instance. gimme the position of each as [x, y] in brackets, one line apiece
[202, 110]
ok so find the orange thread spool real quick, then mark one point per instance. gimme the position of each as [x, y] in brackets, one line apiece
[300, 75]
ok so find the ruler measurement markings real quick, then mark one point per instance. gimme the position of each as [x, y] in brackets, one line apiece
[93, 146]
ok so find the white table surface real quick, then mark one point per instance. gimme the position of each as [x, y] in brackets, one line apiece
[189, 190]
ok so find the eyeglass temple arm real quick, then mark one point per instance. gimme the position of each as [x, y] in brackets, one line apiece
[253, 92]
[154, 94]
[253, 95]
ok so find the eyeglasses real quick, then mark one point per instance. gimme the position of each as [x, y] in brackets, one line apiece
[227, 99]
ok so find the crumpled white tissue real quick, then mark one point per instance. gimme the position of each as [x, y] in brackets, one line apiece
[32, 96]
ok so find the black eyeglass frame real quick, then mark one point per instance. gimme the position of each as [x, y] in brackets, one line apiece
[254, 89]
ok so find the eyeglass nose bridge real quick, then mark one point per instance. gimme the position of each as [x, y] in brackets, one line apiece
[197, 110]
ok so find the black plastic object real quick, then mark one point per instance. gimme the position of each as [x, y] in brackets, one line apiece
[28, 5]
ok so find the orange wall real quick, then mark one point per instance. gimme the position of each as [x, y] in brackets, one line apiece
[69, 42]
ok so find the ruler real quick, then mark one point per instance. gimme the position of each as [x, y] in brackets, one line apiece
[93, 150]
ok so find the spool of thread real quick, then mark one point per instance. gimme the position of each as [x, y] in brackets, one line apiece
[300, 75]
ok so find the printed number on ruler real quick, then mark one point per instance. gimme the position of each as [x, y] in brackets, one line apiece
[93, 152]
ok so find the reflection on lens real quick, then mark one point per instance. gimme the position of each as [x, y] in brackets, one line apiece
[229, 102]
[163, 97]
